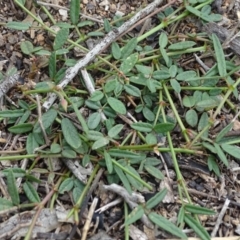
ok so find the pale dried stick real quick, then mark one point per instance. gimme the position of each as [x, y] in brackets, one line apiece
[109, 205]
[89, 218]
[90, 88]
[110, 37]
[220, 217]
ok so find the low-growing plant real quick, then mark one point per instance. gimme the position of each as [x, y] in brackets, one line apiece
[144, 81]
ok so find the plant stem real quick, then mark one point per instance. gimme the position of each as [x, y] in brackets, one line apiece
[176, 113]
[132, 175]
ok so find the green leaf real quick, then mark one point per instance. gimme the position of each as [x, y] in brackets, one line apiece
[85, 23]
[123, 154]
[188, 101]
[209, 146]
[74, 11]
[165, 56]
[96, 96]
[203, 121]
[12, 188]
[116, 51]
[117, 105]
[173, 71]
[11, 113]
[86, 160]
[197, 228]
[60, 39]
[198, 13]
[76, 193]
[134, 182]
[198, 210]
[215, 17]
[186, 75]
[151, 86]
[55, 148]
[181, 45]
[132, 90]
[148, 114]
[66, 185]
[18, 25]
[21, 2]
[163, 127]
[62, 51]
[208, 104]
[123, 178]
[17, 172]
[140, 79]
[221, 63]
[154, 172]
[94, 135]
[106, 25]
[101, 142]
[26, 47]
[52, 65]
[128, 63]
[191, 117]
[128, 48]
[94, 120]
[31, 192]
[175, 85]
[69, 153]
[161, 74]
[155, 200]
[21, 128]
[59, 75]
[221, 154]
[110, 86]
[24, 117]
[93, 105]
[223, 132]
[64, 25]
[231, 150]
[142, 126]
[213, 166]
[151, 139]
[181, 214]
[163, 40]
[143, 69]
[108, 161]
[47, 120]
[114, 131]
[70, 133]
[5, 204]
[95, 34]
[166, 225]
[32, 144]
[136, 214]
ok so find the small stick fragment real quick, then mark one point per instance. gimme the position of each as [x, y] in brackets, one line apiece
[89, 218]
[220, 217]
[90, 88]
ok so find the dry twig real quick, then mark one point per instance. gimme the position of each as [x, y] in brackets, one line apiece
[110, 37]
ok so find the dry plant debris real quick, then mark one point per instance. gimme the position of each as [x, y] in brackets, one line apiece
[119, 119]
